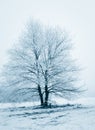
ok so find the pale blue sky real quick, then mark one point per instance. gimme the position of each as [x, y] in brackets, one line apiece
[76, 16]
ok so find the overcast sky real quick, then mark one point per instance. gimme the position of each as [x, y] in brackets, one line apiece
[76, 16]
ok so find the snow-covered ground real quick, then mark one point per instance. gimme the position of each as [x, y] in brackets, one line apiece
[24, 116]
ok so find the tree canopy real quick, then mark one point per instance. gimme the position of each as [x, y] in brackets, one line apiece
[41, 64]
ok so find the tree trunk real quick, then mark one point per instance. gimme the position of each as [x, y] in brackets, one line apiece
[40, 95]
[46, 96]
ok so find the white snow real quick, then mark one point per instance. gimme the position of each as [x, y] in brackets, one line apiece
[23, 116]
[15, 105]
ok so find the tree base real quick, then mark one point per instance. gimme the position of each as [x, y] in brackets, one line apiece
[46, 105]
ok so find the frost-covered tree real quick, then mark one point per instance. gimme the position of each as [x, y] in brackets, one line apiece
[41, 64]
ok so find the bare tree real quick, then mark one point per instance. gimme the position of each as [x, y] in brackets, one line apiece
[41, 64]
